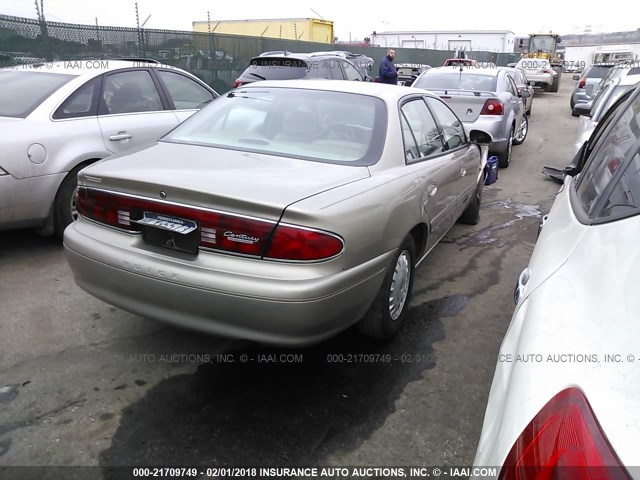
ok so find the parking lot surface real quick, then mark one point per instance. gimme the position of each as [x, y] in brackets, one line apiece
[84, 383]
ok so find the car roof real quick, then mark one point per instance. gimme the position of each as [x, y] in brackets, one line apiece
[390, 93]
[84, 66]
[490, 72]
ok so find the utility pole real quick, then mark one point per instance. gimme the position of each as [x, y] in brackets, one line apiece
[139, 33]
[43, 30]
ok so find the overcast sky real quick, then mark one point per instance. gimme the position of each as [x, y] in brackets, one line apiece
[357, 19]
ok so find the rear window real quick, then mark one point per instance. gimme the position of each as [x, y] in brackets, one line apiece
[21, 92]
[324, 126]
[597, 72]
[270, 68]
[457, 81]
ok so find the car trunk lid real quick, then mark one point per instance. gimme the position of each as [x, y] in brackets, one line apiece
[466, 104]
[233, 181]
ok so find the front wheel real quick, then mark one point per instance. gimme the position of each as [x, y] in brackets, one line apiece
[386, 316]
[521, 134]
[471, 215]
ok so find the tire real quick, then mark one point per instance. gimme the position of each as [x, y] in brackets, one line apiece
[572, 103]
[64, 204]
[504, 158]
[521, 134]
[573, 113]
[471, 215]
[379, 322]
[555, 86]
[546, 87]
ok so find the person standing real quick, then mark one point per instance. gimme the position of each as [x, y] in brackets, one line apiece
[388, 72]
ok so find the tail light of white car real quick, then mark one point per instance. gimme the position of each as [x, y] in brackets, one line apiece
[564, 440]
[492, 106]
[220, 231]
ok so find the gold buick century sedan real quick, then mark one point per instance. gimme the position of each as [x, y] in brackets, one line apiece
[283, 212]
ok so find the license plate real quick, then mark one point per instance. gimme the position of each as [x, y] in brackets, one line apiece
[170, 232]
[171, 224]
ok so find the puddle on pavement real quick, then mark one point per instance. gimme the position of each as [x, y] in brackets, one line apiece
[273, 413]
[8, 393]
[487, 236]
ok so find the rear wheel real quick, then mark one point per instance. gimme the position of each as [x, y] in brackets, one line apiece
[555, 86]
[521, 134]
[65, 211]
[504, 158]
[386, 316]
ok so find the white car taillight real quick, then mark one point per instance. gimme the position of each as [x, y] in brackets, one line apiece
[564, 440]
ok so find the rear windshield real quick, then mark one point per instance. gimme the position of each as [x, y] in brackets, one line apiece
[597, 72]
[324, 126]
[269, 68]
[21, 91]
[457, 81]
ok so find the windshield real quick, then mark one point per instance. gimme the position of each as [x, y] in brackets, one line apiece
[21, 92]
[324, 126]
[545, 43]
[457, 81]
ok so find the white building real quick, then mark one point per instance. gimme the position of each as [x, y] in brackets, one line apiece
[589, 54]
[469, 40]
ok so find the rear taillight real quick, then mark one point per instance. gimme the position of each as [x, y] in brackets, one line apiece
[105, 208]
[238, 83]
[301, 244]
[582, 83]
[546, 70]
[492, 107]
[218, 230]
[563, 441]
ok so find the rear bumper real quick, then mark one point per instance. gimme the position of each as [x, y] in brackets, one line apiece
[220, 294]
[497, 126]
[542, 78]
[27, 201]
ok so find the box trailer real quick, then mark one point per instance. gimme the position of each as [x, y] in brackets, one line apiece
[309, 29]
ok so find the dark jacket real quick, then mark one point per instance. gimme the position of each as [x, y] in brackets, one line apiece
[388, 72]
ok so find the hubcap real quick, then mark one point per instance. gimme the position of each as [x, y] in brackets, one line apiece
[74, 206]
[400, 285]
[524, 128]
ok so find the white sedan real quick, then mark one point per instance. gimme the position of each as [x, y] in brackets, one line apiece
[565, 398]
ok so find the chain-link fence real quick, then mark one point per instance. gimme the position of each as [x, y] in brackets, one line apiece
[215, 58]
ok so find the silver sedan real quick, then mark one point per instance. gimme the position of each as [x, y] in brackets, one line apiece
[60, 117]
[486, 99]
[284, 212]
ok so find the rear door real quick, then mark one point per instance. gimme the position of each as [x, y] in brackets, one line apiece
[133, 110]
[515, 101]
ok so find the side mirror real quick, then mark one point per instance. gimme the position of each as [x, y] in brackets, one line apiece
[367, 78]
[524, 94]
[583, 108]
[576, 77]
[480, 138]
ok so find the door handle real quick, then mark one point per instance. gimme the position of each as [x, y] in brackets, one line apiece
[120, 136]
[433, 188]
[463, 172]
